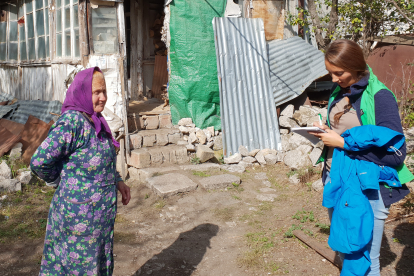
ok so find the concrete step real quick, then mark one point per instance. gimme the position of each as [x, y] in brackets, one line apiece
[144, 174]
[151, 121]
[158, 155]
[156, 137]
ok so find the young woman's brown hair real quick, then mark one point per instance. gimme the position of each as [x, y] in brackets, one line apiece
[348, 55]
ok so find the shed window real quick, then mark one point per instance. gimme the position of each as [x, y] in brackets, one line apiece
[67, 29]
[104, 30]
[8, 32]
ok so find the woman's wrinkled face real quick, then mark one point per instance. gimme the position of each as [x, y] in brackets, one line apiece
[341, 76]
[98, 92]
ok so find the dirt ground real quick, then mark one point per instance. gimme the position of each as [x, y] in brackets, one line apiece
[202, 233]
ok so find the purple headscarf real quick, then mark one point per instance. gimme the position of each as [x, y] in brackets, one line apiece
[79, 98]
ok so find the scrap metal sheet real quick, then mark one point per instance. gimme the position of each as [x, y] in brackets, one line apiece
[294, 65]
[247, 108]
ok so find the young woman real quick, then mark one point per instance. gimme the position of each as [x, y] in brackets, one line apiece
[356, 88]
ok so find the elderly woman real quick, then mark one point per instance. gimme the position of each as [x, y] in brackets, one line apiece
[79, 155]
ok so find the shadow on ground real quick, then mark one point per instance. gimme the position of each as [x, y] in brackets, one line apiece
[182, 257]
[404, 234]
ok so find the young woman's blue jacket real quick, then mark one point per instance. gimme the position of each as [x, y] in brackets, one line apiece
[352, 218]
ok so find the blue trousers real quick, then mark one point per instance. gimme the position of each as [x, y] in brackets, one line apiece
[380, 215]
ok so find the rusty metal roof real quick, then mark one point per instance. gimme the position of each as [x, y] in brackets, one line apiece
[248, 112]
[294, 65]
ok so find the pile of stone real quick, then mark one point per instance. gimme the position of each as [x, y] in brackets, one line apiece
[194, 136]
[297, 152]
[10, 184]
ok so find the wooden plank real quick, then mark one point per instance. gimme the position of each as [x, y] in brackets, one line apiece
[124, 84]
[160, 76]
[269, 11]
[392, 39]
[137, 50]
[328, 254]
[83, 33]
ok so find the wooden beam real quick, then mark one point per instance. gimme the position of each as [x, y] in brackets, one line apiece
[392, 39]
[83, 33]
[137, 49]
[124, 81]
[328, 254]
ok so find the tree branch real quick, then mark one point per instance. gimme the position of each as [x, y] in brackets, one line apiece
[316, 22]
[400, 11]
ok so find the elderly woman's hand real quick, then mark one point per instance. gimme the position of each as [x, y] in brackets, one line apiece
[125, 192]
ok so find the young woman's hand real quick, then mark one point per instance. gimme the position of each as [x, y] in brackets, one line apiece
[331, 138]
[125, 192]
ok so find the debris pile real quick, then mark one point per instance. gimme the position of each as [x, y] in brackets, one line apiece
[10, 184]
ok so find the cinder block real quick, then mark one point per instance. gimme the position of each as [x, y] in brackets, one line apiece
[181, 154]
[162, 139]
[148, 140]
[151, 122]
[175, 137]
[140, 158]
[165, 121]
[135, 141]
[157, 157]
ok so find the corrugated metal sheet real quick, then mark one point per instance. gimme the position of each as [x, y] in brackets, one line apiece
[294, 65]
[248, 113]
[5, 97]
[38, 109]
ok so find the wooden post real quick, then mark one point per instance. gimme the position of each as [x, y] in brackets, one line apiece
[137, 49]
[83, 33]
[124, 83]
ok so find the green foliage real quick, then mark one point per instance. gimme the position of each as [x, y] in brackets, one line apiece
[289, 232]
[358, 19]
[201, 174]
[304, 216]
[195, 160]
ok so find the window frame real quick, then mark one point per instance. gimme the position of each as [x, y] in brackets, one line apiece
[90, 26]
[8, 61]
[63, 58]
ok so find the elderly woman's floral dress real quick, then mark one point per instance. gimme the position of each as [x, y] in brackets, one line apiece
[80, 227]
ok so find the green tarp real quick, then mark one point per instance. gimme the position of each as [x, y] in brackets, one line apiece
[193, 88]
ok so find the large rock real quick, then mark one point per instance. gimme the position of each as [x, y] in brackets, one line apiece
[171, 184]
[303, 115]
[318, 185]
[16, 152]
[288, 110]
[314, 155]
[10, 185]
[201, 167]
[249, 159]
[297, 140]
[236, 168]
[5, 170]
[25, 177]
[233, 159]
[192, 138]
[295, 159]
[285, 121]
[271, 159]
[260, 158]
[219, 181]
[243, 151]
[208, 134]
[143, 175]
[204, 153]
[185, 122]
[202, 138]
[286, 145]
[294, 179]
[253, 153]
[305, 148]
[218, 143]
